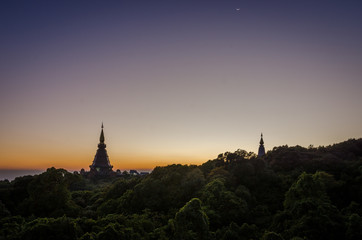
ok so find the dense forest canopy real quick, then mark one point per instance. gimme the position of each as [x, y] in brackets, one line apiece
[290, 193]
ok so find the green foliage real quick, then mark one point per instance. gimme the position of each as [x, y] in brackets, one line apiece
[49, 228]
[111, 232]
[222, 206]
[219, 172]
[164, 189]
[10, 227]
[354, 227]
[13, 194]
[88, 236]
[271, 236]
[49, 194]
[308, 211]
[4, 212]
[308, 186]
[118, 188]
[292, 193]
[235, 232]
[191, 222]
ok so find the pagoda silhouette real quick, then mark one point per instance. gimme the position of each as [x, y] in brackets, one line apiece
[261, 151]
[101, 165]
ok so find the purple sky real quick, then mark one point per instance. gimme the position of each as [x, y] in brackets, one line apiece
[175, 81]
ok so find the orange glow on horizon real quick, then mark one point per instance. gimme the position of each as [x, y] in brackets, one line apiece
[121, 162]
[174, 88]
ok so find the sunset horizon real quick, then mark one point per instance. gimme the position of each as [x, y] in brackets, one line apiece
[174, 82]
[183, 119]
[137, 162]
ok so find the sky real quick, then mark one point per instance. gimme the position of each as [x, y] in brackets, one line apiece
[174, 81]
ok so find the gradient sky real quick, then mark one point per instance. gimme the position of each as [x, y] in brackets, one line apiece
[174, 81]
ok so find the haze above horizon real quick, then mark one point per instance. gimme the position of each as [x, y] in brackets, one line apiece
[174, 81]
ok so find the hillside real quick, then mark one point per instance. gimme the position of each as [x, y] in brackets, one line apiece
[292, 193]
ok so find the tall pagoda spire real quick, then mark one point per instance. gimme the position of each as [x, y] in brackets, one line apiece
[261, 151]
[101, 138]
[101, 165]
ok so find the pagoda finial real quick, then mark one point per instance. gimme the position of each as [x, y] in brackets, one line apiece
[261, 139]
[101, 138]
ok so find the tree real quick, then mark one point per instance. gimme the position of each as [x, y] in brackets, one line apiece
[271, 236]
[222, 206]
[234, 232]
[49, 194]
[354, 227]
[308, 211]
[10, 227]
[191, 222]
[49, 228]
[4, 212]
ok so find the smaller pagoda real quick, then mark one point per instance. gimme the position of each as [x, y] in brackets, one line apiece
[101, 165]
[261, 151]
